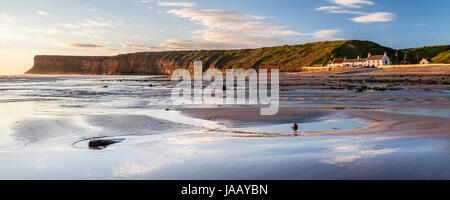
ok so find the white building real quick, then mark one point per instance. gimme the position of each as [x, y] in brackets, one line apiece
[370, 61]
[426, 61]
[377, 60]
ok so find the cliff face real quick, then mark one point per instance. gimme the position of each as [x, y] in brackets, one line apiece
[114, 65]
[285, 58]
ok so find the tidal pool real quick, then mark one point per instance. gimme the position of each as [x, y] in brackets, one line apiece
[330, 123]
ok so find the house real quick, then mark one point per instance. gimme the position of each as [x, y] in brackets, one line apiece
[337, 62]
[370, 61]
[377, 60]
[354, 62]
[426, 61]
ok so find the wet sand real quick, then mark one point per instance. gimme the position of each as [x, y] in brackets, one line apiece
[399, 132]
[381, 122]
[386, 102]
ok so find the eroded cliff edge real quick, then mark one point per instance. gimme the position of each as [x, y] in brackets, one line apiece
[130, 64]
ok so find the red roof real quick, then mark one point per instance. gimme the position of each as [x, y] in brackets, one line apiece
[375, 57]
[338, 60]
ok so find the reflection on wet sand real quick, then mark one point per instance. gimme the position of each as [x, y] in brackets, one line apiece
[342, 134]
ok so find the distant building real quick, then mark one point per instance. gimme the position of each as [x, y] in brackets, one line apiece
[425, 61]
[370, 61]
[337, 62]
[377, 60]
[354, 62]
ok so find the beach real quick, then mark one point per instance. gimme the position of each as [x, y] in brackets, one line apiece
[391, 123]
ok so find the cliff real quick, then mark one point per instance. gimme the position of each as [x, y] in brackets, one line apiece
[285, 58]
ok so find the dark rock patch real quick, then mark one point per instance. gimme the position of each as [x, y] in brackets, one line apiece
[103, 143]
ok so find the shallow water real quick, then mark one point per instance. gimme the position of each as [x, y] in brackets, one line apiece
[47, 121]
[329, 123]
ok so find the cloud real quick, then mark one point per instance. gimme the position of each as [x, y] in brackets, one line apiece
[176, 44]
[337, 10]
[42, 13]
[346, 12]
[374, 17]
[220, 18]
[328, 8]
[137, 46]
[227, 29]
[352, 3]
[326, 35]
[146, 1]
[6, 19]
[84, 46]
[90, 27]
[356, 4]
[100, 23]
[69, 25]
[177, 3]
[82, 29]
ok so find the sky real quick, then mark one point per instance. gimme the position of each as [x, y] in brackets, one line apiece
[111, 27]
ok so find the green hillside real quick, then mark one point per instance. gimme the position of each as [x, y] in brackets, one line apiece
[443, 57]
[413, 55]
[285, 58]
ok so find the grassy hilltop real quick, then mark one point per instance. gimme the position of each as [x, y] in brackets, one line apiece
[439, 54]
[286, 58]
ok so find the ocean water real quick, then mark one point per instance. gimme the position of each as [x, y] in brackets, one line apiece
[47, 121]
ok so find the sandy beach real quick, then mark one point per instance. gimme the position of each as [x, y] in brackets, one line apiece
[367, 124]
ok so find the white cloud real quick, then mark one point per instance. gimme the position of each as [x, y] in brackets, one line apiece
[69, 25]
[84, 29]
[326, 35]
[228, 29]
[90, 27]
[6, 19]
[337, 10]
[219, 18]
[176, 44]
[177, 3]
[374, 17]
[42, 13]
[100, 23]
[328, 8]
[356, 4]
[352, 3]
[146, 1]
[138, 46]
[346, 12]
[233, 30]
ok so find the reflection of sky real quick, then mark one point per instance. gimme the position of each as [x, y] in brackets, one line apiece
[160, 157]
[350, 153]
[334, 122]
[55, 116]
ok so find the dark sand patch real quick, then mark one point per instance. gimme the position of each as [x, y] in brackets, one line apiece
[238, 116]
[132, 124]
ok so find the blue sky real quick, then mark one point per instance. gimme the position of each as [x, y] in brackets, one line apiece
[109, 27]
